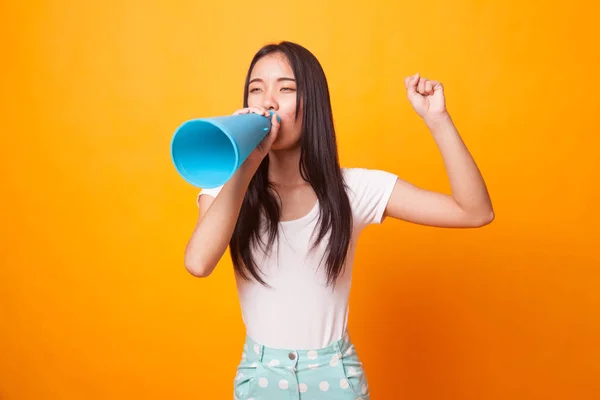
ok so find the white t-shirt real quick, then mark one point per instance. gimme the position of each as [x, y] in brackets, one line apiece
[299, 311]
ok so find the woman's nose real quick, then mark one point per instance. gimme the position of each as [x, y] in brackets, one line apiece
[270, 103]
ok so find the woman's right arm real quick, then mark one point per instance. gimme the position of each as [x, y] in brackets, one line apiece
[218, 216]
[216, 222]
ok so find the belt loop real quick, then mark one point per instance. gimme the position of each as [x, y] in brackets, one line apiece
[337, 347]
[261, 353]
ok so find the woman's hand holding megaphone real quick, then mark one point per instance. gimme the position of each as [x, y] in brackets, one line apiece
[259, 153]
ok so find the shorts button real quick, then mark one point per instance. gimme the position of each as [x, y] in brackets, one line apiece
[292, 356]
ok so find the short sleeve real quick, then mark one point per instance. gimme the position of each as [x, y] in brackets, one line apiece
[211, 192]
[369, 193]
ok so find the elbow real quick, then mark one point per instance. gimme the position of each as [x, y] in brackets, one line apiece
[491, 217]
[198, 269]
[476, 219]
[484, 219]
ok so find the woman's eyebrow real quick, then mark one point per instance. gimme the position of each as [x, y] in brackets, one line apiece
[278, 79]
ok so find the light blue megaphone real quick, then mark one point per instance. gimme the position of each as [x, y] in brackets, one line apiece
[207, 151]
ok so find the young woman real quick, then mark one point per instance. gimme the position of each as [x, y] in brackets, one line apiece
[292, 216]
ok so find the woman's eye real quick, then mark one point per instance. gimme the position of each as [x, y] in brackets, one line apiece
[254, 90]
[287, 89]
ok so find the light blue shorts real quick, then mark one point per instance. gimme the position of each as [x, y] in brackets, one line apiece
[331, 373]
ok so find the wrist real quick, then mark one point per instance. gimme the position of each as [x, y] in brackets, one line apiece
[439, 124]
[247, 170]
[438, 120]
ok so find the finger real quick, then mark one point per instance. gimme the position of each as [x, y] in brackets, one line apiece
[428, 87]
[275, 120]
[255, 110]
[259, 111]
[421, 86]
[241, 111]
[275, 125]
[437, 86]
[411, 83]
[272, 135]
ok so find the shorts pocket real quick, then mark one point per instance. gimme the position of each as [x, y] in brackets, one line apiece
[355, 375]
[245, 380]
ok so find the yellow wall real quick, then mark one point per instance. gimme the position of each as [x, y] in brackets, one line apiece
[95, 301]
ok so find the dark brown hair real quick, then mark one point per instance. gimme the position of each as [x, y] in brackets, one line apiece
[319, 166]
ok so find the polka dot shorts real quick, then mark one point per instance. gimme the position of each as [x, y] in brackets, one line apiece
[332, 373]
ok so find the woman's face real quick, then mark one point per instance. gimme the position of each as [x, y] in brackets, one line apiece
[273, 87]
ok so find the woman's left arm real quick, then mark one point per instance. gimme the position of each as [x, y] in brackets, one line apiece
[469, 205]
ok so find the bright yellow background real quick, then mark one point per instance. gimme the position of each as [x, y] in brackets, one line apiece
[95, 301]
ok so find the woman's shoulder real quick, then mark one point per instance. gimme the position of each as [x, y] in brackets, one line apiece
[358, 176]
[354, 174]
[369, 190]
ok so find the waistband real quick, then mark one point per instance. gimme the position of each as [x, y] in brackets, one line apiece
[291, 358]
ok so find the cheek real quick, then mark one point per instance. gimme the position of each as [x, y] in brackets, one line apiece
[287, 110]
[288, 116]
[253, 102]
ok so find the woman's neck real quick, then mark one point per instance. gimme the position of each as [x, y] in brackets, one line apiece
[284, 167]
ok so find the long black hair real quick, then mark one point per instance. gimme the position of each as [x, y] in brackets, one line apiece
[319, 166]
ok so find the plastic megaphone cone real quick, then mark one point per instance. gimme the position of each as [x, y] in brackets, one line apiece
[207, 151]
